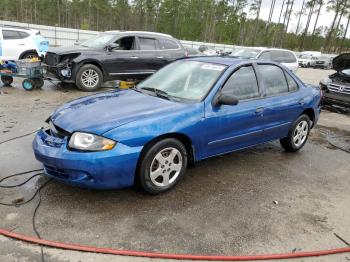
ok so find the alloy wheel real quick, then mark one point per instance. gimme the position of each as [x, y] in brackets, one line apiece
[300, 133]
[90, 78]
[166, 167]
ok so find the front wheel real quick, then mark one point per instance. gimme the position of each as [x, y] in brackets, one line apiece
[162, 166]
[297, 135]
[89, 78]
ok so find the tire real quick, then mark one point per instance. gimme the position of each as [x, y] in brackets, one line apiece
[297, 135]
[29, 55]
[86, 74]
[39, 82]
[28, 84]
[162, 166]
[7, 80]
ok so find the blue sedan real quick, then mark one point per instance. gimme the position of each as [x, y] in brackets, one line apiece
[188, 111]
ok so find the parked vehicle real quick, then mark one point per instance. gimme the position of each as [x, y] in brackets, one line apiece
[324, 62]
[336, 87]
[113, 55]
[283, 56]
[21, 43]
[192, 52]
[307, 60]
[188, 111]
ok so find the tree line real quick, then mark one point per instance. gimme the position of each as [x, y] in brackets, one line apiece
[235, 22]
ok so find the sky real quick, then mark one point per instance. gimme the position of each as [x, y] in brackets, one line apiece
[325, 18]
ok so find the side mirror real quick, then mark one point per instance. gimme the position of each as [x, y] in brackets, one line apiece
[226, 99]
[112, 46]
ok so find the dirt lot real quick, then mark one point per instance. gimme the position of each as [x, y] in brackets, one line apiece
[223, 206]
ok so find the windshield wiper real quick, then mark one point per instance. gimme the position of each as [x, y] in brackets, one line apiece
[157, 92]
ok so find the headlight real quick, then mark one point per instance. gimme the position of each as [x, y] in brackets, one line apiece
[90, 142]
[326, 81]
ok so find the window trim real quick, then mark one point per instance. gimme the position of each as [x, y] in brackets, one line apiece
[284, 72]
[148, 37]
[285, 75]
[228, 77]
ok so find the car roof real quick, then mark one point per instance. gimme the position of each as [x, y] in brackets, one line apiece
[138, 32]
[223, 60]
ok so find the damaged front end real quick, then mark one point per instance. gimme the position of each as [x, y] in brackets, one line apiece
[336, 87]
[60, 66]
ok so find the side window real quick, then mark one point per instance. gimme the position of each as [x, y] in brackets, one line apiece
[266, 55]
[273, 79]
[148, 43]
[293, 86]
[283, 57]
[168, 44]
[23, 34]
[10, 35]
[242, 84]
[126, 43]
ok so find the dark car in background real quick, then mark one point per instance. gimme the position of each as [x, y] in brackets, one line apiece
[113, 55]
[336, 87]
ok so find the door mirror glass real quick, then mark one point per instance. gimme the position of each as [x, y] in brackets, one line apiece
[226, 99]
[112, 46]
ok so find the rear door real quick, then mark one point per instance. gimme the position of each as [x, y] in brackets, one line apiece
[151, 59]
[231, 127]
[170, 50]
[283, 101]
[14, 43]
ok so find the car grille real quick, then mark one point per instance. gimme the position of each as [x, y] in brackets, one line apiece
[51, 59]
[339, 88]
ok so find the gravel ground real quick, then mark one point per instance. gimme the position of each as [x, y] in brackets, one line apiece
[223, 206]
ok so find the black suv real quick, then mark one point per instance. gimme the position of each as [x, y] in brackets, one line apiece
[336, 87]
[113, 55]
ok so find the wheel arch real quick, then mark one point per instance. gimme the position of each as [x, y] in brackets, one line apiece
[27, 52]
[179, 136]
[91, 62]
[311, 114]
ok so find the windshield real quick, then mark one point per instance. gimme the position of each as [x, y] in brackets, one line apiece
[99, 41]
[305, 56]
[188, 80]
[246, 52]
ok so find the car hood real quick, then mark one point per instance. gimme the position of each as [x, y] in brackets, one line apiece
[105, 111]
[341, 62]
[70, 50]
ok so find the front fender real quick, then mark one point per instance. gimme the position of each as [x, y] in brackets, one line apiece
[140, 132]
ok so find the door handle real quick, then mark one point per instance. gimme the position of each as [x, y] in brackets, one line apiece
[301, 102]
[259, 110]
[134, 57]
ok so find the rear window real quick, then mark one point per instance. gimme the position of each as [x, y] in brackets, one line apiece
[283, 57]
[168, 44]
[11, 34]
[273, 79]
[148, 43]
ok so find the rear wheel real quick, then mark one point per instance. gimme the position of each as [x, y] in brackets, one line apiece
[162, 166]
[297, 135]
[7, 80]
[89, 78]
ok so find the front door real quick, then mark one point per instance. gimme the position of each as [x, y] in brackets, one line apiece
[227, 127]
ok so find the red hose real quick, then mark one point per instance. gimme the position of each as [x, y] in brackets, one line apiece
[134, 253]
